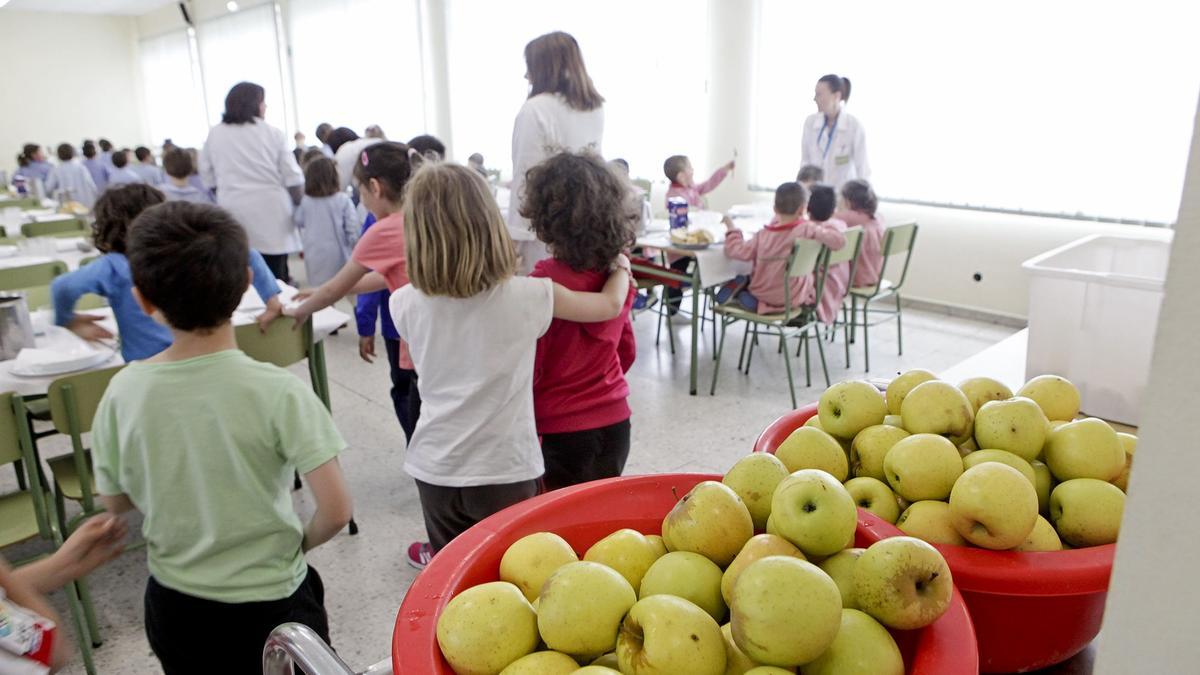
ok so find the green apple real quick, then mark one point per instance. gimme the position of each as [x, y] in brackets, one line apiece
[530, 560]
[1088, 448]
[609, 660]
[1129, 443]
[710, 520]
[967, 448]
[770, 670]
[785, 611]
[814, 512]
[875, 496]
[771, 528]
[862, 647]
[899, 387]
[660, 547]
[869, 448]
[1043, 483]
[596, 670]
[664, 634]
[626, 551]
[981, 456]
[686, 575]
[1016, 425]
[848, 407]
[754, 479]
[814, 421]
[937, 407]
[1087, 512]
[542, 663]
[931, 521]
[736, 661]
[894, 421]
[922, 466]
[980, 390]
[466, 629]
[1054, 424]
[840, 568]
[993, 506]
[1041, 538]
[581, 608]
[809, 448]
[1057, 397]
[903, 583]
[759, 546]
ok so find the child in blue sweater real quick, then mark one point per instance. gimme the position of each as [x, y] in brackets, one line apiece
[109, 276]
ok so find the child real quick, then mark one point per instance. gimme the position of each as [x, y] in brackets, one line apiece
[473, 327]
[769, 251]
[109, 276]
[121, 174]
[95, 166]
[821, 206]
[810, 175]
[106, 152]
[683, 181]
[71, 178]
[325, 218]
[178, 187]
[203, 441]
[146, 166]
[32, 163]
[579, 208]
[475, 161]
[858, 205]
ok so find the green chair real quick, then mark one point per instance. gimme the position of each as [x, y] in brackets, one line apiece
[808, 257]
[29, 512]
[47, 228]
[847, 254]
[23, 203]
[28, 276]
[897, 240]
[88, 259]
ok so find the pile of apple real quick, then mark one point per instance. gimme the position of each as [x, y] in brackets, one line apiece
[708, 597]
[971, 464]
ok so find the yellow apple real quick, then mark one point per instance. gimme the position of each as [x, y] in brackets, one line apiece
[759, 546]
[1054, 424]
[1041, 538]
[542, 663]
[931, 521]
[875, 496]
[967, 448]
[980, 390]
[1043, 483]
[754, 479]
[869, 448]
[848, 407]
[771, 529]
[903, 582]
[530, 560]
[937, 407]
[1088, 448]
[664, 634]
[686, 575]
[993, 506]
[785, 611]
[1087, 512]
[899, 387]
[466, 629]
[840, 568]
[770, 670]
[809, 448]
[1058, 398]
[581, 608]
[1016, 425]
[710, 520]
[626, 551]
[980, 456]
[736, 661]
[660, 547]
[609, 660]
[894, 421]
[862, 647]
[922, 466]
[596, 670]
[814, 512]
[1129, 443]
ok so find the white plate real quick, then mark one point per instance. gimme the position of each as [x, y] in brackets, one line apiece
[71, 365]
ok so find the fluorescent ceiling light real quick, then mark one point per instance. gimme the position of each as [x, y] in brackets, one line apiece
[231, 5]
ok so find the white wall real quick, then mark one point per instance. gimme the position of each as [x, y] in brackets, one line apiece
[67, 77]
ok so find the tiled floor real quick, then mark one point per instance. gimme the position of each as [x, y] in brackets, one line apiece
[366, 576]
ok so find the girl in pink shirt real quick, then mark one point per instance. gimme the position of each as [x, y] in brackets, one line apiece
[679, 171]
[857, 209]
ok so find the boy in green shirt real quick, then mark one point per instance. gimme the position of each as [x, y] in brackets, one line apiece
[203, 441]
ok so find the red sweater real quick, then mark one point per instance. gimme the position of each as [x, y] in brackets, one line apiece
[579, 372]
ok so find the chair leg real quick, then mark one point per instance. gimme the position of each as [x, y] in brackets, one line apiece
[753, 344]
[787, 365]
[807, 351]
[353, 527]
[846, 339]
[712, 306]
[89, 612]
[824, 368]
[899, 333]
[853, 314]
[866, 338]
[745, 342]
[296, 484]
[83, 638]
[712, 391]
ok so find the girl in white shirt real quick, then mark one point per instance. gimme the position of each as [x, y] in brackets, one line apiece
[472, 327]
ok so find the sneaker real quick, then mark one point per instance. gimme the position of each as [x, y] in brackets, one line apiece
[419, 554]
[643, 301]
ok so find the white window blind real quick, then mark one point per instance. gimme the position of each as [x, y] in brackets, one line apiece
[1061, 107]
[172, 91]
[242, 47]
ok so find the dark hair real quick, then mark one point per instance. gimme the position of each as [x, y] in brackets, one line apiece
[386, 162]
[822, 202]
[321, 178]
[178, 163]
[555, 65]
[859, 195]
[309, 155]
[673, 165]
[622, 162]
[837, 85]
[242, 103]
[323, 130]
[115, 210]
[189, 261]
[577, 207]
[810, 172]
[65, 151]
[105, 145]
[142, 152]
[339, 137]
[27, 152]
[426, 144]
[89, 149]
[790, 197]
[120, 158]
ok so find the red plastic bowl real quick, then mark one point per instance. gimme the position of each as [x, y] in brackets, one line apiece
[587, 513]
[1030, 610]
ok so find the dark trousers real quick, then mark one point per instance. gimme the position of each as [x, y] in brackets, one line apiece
[194, 635]
[674, 295]
[406, 399]
[278, 264]
[450, 511]
[580, 456]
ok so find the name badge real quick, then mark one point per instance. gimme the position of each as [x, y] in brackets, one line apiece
[841, 160]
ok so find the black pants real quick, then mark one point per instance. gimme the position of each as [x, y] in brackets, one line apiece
[194, 635]
[406, 399]
[278, 264]
[674, 295]
[450, 511]
[581, 456]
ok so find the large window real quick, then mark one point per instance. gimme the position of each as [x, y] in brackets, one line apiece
[242, 46]
[172, 91]
[1061, 107]
[647, 59]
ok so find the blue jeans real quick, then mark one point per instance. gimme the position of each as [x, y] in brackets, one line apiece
[736, 289]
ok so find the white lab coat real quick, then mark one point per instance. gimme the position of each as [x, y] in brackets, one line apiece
[545, 126]
[251, 166]
[846, 158]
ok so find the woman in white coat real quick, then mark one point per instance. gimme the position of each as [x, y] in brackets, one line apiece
[833, 139]
[564, 112]
[251, 166]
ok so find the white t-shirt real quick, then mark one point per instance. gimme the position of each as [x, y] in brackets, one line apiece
[475, 360]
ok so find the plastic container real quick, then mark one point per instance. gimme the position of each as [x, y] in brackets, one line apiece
[1030, 610]
[1093, 312]
[587, 513]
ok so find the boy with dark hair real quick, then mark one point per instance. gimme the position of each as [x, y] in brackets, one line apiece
[178, 187]
[121, 174]
[95, 165]
[810, 175]
[203, 441]
[71, 181]
[146, 167]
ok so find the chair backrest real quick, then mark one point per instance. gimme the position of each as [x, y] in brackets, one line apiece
[281, 344]
[849, 252]
[28, 276]
[21, 203]
[896, 240]
[644, 184]
[88, 259]
[16, 443]
[10, 446]
[49, 227]
[807, 255]
[73, 399]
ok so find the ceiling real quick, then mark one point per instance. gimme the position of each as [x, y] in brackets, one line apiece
[130, 7]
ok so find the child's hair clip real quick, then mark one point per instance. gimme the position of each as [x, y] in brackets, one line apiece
[364, 157]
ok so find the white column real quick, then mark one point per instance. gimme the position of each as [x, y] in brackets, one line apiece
[733, 27]
[435, 72]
